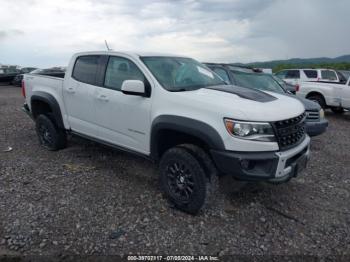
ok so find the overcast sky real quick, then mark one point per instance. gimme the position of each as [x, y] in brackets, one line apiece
[46, 33]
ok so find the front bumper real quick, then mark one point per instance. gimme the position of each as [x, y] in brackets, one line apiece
[277, 166]
[316, 128]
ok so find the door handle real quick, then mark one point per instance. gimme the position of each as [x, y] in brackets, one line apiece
[70, 90]
[103, 98]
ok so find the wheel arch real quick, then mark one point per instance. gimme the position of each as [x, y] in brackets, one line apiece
[315, 93]
[42, 102]
[169, 130]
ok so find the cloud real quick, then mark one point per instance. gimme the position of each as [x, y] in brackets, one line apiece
[221, 30]
[9, 33]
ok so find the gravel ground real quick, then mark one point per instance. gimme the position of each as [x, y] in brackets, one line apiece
[89, 199]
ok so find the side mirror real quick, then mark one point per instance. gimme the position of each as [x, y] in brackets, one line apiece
[133, 87]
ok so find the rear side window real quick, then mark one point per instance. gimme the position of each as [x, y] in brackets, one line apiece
[85, 69]
[310, 73]
[328, 75]
[120, 69]
[222, 73]
[293, 74]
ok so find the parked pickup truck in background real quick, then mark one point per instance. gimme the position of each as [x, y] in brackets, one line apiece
[335, 96]
[315, 122]
[176, 112]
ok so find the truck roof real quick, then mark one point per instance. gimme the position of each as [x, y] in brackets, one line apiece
[135, 54]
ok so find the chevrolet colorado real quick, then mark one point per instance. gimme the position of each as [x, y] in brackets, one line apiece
[176, 112]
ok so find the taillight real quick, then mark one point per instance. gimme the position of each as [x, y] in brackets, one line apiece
[23, 89]
[297, 87]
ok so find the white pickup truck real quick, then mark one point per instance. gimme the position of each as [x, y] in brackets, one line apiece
[176, 112]
[335, 96]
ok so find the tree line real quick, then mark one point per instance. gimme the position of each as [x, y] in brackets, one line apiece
[336, 66]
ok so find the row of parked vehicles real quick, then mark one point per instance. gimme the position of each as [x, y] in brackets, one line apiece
[14, 76]
[195, 121]
[329, 88]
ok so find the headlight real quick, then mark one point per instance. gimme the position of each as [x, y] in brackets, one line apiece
[250, 130]
[321, 113]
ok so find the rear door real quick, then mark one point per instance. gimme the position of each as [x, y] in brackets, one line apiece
[123, 120]
[78, 92]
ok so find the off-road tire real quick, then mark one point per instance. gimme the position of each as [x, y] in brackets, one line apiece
[180, 162]
[50, 136]
[214, 196]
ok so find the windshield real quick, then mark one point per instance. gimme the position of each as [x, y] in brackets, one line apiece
[36, 71]
[181, 74]
[279, 80]
[259, 81]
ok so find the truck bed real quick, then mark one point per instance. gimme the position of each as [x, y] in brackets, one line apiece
[58, 74]
[44, 83]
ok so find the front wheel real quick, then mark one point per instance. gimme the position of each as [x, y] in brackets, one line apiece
[183, 179]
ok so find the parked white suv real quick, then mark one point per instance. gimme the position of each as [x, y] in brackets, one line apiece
[176, 112]
[296, 76]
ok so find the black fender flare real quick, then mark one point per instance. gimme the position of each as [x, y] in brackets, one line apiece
[189, 126]
[52, 102]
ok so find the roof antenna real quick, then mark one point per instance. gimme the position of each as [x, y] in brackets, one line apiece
[107, 46]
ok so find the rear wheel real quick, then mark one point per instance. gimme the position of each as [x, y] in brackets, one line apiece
[338, 110]
[183, 179]
[50, 137]
[318, 99]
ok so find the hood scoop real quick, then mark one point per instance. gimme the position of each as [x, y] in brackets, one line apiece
[243, 92]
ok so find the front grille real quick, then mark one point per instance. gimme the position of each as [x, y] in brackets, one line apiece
[290, 132]
[312, 115]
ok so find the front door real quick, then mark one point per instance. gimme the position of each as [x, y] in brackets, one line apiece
[122, 119]
[345, 95]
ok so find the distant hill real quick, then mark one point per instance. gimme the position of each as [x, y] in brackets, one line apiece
[300, 62]
[338, 63]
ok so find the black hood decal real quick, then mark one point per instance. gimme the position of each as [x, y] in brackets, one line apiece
[247, 93]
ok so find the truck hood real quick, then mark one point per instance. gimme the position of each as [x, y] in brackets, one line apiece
[237, 106]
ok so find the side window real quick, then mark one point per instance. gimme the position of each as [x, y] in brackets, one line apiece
[310, 73]
[120, 69]
[341, 77]
[85, 69]
[222, 73]
[328, 75]
[293, 74]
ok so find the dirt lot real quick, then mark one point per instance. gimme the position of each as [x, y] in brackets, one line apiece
[88, 199]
